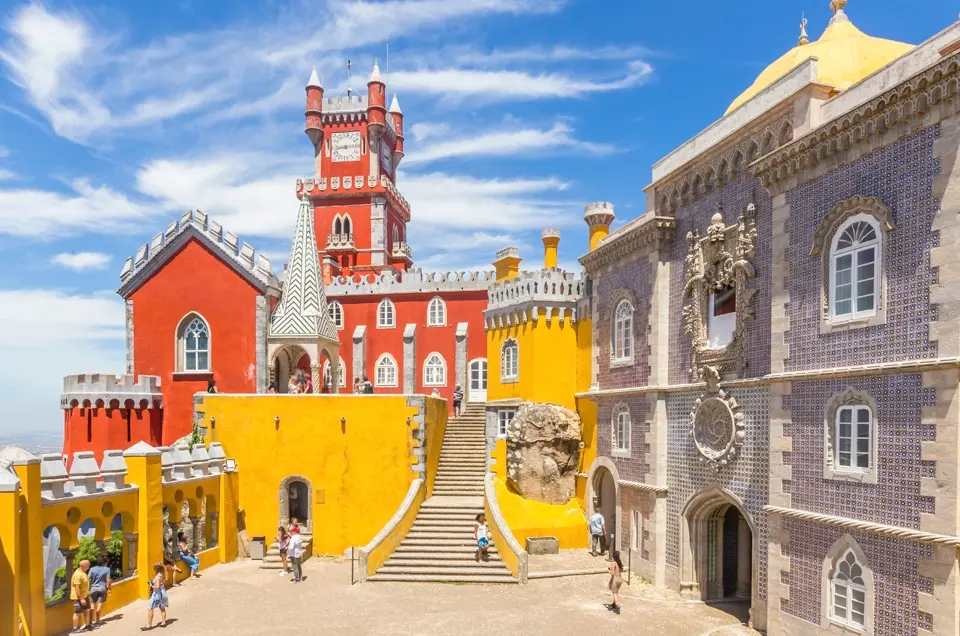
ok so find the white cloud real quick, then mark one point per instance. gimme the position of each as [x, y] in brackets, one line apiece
[551, 54]
[45, 335]
[506, 85]
[7, 175]
[513, 142]
[81, 261]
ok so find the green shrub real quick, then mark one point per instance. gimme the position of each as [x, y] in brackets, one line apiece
[115, 554]
[59, 585]
[87, 550]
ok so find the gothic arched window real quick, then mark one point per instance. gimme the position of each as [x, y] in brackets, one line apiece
[622, 333]
[855, 269]
[336, 313]
[436, 313]
[386, 314]
[510, 361]
[193, 344]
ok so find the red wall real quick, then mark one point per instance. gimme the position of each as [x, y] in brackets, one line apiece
[195, 280]
[100, 429]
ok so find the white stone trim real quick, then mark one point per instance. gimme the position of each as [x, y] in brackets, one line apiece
[496, 518]
[839, 550]
[389, 527]
[854, 525]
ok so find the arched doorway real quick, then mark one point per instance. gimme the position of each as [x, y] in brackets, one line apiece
[286, 362]
[296, 502]
[718, 552]
[603, 495]
[478, 381]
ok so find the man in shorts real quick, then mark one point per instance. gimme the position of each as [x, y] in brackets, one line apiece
[80, 595]
[100, 583]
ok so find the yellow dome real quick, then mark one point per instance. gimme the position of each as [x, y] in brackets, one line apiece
[846, 55]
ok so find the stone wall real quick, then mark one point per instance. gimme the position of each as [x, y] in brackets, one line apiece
[636, 466]
[631, 281]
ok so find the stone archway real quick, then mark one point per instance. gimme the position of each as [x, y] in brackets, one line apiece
[284, 364]
[603, 484]
[718, 550]
[296, 501]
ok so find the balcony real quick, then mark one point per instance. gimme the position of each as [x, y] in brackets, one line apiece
[402, 250]
[340, 243]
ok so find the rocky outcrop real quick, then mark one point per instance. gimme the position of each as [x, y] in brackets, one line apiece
[543, 450]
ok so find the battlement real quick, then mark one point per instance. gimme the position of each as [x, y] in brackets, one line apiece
[314, 186]
[598, 213]
[227, 242]
[508, 252]
[536, 287]
[550, 232]
[102, 390]
[410, 282]
[345, 104]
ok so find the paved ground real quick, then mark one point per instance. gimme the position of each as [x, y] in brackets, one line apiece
[239, 598]
[567, 560]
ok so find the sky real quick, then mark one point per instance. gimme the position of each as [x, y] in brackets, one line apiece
[116, 117]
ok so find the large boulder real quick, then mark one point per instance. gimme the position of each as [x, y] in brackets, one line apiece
[543, 451]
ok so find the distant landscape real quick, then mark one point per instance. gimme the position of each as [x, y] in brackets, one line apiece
[36, 443]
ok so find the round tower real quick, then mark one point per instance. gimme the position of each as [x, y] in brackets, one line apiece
[397, 115]
[314, 128]
[598, 217]
[551, 239]
[376, 103]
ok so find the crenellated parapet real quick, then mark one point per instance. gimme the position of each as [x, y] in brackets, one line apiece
[84, 478]
[352, 185]
[409, 282]
[532, 294]
[107, 390]
[195, 223]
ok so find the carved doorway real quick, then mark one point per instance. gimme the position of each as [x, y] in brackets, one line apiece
[296, 502]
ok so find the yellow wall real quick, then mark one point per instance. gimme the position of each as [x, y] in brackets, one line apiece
[9, 562]
[436, 426]
[528, 518]
[359, 468]
[32, 610]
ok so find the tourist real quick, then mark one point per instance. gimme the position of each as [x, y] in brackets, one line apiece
[283, 540]
[616, 580]
[272, 388]
[598, 529]
[356, 386]
[188, 557]
[293, 386]
[367, 385]
[435, 393]
[480, 533]
[212, 386]
[172, 569]
[80, 595]
[293, 524]
[457, 401]
[307, 384]
[158, 598]
[100, 584]
[295, 553]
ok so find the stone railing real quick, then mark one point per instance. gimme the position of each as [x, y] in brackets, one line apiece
[340, 242]
[102, 389]
[509, 549]
[542, 286]
[415, 281]
[401, 250]
[344, 104]
[375, 553]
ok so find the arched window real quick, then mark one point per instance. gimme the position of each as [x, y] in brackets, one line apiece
[395, 235]
[328, 375]
[347, 225]
[436, 313]
[855, 269]
[386, 314]
[386, 371]
[622, 335]
[620, 434]
[435, 370]
[848, 592]
[336, 313]
[193, 344]
[510, 361]
[850, 448]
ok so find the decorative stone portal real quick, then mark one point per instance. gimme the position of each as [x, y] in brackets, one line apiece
[296, 502]
[603, 495]
[718, 550]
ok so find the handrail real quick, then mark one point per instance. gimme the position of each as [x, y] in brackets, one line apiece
[415, 489]
[500, 527]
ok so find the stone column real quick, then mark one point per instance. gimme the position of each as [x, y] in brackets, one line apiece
[69, 566]
[360, 352]
[174, 549]
[130, 550]
[460, 361]
[744, 554]
[213, 529]
[410, 359]
[195, 523]
[316, 376]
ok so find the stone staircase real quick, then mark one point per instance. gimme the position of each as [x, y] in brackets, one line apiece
[440, 546]
[271, 560]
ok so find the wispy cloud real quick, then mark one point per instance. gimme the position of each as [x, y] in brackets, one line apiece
[7, 175]
[552, 54]
[81, 261]
[510, 142]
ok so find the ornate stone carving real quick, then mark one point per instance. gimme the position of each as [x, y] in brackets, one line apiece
[716, 423]
[721, 260]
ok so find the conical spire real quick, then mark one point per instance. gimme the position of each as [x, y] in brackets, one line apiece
[314, 80]
[375, 75]
[302, 311]
[395, 105]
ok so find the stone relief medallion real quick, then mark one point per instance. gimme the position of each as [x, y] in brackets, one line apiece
[717, 425]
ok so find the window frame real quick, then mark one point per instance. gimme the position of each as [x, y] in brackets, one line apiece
[327, 371]
[437, 301]
[853, 252]
[180, 344]
[442, 366]
[504, 417]
[505, 377]
[854, 401]
[619, 417]
[381, 324]
[838, 553]
[624, 354]
[335, 311]
[855, 411]
[381, 363]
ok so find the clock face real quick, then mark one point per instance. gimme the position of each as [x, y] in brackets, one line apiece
[345, 146]
[386, 158]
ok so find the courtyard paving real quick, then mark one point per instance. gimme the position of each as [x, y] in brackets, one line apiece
[240, 598]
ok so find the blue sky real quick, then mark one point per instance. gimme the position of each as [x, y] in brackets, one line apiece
[115, 117]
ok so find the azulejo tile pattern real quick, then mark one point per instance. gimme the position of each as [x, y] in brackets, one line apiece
[635, 277]
[633, 468]
[734, 197]
[895, 499]
[901, 175]
[895, 569]
[746, 477]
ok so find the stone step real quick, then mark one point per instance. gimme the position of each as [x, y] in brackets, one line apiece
[440, 551]
[438, 558]
[496, 569]
[441, 578]
[420, 542]
[460, 479]
[458, 492]
[492, 564]
[460, 534]
[438, 525]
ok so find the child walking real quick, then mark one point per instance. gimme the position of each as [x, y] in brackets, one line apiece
[283, 540]
[480, 533]
[616, 580]
[158, 598]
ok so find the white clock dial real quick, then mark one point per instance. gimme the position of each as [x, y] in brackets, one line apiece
[346, 146]
[386, 158]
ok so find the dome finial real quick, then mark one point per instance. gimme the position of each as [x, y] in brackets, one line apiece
[838, 15]
[803, 30]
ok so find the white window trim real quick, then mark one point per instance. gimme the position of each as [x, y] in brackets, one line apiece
[396, 371]
[501, 413]
[838, 551]
[831, 468]
[393, 315]
[616, 359]
[510, 378]
[342, 380]
[443, 312]
[637, 520]
[443, 367]
[878, 273]
[180, 344]
[336, 314]
[615, 450]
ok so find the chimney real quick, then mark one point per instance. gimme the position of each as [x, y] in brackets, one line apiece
[598, 217]
[507, 263]
[551, 239]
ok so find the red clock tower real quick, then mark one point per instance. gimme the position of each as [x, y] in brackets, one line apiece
[360, 216]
